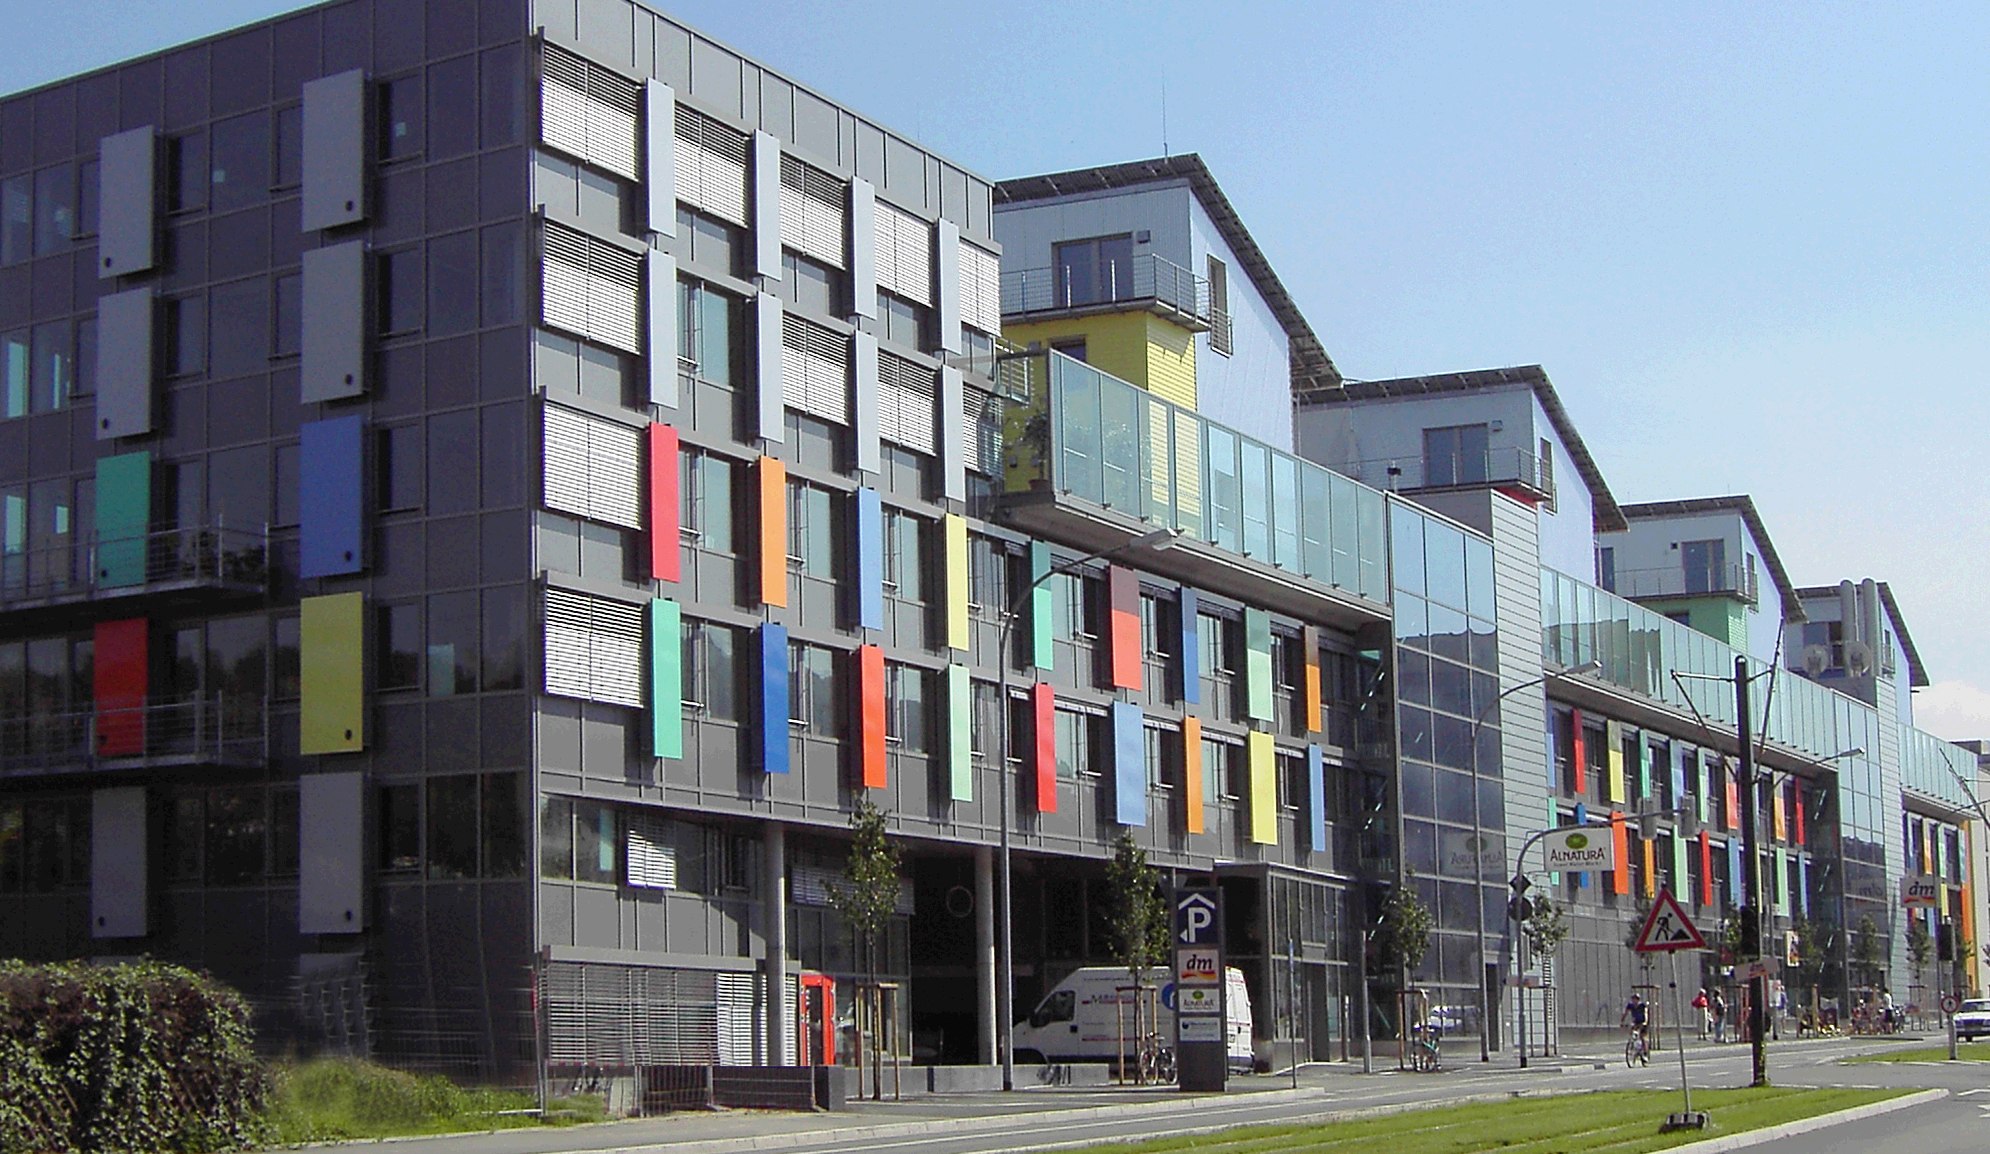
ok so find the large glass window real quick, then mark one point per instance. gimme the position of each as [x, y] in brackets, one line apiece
[815, 693]
[55, 209]
[907, 717]
[1094, 270]
[710, 672]
[1705, 564]
[705, 333]
[904, 555]
[400, 108]
[241, 161]
[705, 500]
[17, 197]
[504, 638]
[452, 827]
[813, 542]
[453, 629]
[399, 646]
[1455, 455]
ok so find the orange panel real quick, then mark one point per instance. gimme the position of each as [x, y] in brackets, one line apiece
[1651, 869]
[1309, 637]
[1123, 596]
[1192, 773]
[1706, 870]
[771, 477]
[1620, 878]
[870, 717]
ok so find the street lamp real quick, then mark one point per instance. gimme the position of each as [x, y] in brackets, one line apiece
[1478, 851]
[1005, 979]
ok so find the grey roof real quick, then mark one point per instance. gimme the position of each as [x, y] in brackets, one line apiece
[1744, 505]
[1312, 369]
[1917, 674]
[1607, 518]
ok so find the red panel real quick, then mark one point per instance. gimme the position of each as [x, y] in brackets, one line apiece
[1796, 810]
[1043, 730]
[120, 682]
[1123, 591]
[1620, 878]
[1581, 753]
[1706, 870]
[870, 717]
[662, 512]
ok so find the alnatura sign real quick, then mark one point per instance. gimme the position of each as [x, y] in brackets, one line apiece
[1580, 848]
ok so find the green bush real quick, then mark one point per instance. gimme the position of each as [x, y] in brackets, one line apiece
[136, 1057]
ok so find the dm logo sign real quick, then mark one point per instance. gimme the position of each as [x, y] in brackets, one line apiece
[1580, 849]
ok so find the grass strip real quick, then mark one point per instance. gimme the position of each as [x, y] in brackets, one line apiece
[1613, 1121]
[334, 1099]
[1964, 1052]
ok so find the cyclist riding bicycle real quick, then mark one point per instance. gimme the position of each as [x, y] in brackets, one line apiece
[1636, 1013]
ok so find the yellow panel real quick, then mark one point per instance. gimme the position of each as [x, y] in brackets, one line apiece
[1614, 734]
[1651, 869]
[331, 657]
[1171, 361]
[1264, 789]
[956, 531]
[1114, 342]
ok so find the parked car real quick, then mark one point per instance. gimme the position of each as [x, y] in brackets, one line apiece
[1454, 1020]
[1973, 1019]
[1080, 1020]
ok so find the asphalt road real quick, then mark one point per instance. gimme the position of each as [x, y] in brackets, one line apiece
[1042, 1119]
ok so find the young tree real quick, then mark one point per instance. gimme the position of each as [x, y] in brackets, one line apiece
[869, 892]
[1868, 954]
[1546, 927]
[1813, 952]
[1137, 914]
[1403, 934]
[1920, 946]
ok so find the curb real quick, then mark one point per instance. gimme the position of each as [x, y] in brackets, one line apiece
[1805, 1125]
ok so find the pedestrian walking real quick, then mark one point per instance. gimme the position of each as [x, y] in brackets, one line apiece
[1700, 1003]
[1717, 1003]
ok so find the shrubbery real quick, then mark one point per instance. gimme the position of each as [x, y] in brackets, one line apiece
[333, 1098]
[137, 1057]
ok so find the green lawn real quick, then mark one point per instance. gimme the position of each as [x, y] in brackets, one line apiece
[1966, 1051]
[1624, 1121]
[334, 1099]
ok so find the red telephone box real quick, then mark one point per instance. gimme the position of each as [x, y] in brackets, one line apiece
[815, 1014]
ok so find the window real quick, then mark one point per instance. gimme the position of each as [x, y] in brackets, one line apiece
[814, 690]
[590, 113]
[903, 254]
[399, 646]
[597, 843]
[711, 166]
[16, 361]
[1705, 564]
[706, 324]
[453, 633]
[592, 289]
[241, 161]
[55, 209]
[186, 335]
[593, 467]
[987, 577]
[1546, 465]
[452, 284]
[285, 675]
[906, 402]
[815, 369]
[980, 294]
[594, 648]
[16, 219]
[1073, 745]
[399, 829]
[811, 284]
[504, 638]
[903, 322]
[1455, 455]
[904, 556]
[52, 377]
[704, 490]
[400, 108]
[287, 336]
[1606, 568]
[711, 686]
[289, 146]
[813, 540]
[239, 319]
[907, 717]
[1219, 308]
[1094, 271]
[452, 827]
[398, 289]
[187, 172]
[813, 208]
[398, 467]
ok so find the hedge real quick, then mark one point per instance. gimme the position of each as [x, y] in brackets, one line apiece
[136, 1057]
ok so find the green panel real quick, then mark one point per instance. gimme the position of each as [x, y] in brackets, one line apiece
[1781, 885]
[666, 679]
[1644, 764]
[1040, 607]
[960, 738]
[1257, 664]
[124, 517]
[332, 666]
[1679, 871]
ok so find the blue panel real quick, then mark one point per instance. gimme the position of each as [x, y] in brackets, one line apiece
[1316, 799]
[1734, 878]
[772, 746]
[1581, 818]
[870, 560]
[1191, 650]
[331, 494]
[1129, 765]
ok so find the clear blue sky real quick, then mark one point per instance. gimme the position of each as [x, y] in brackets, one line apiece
[1748, 242]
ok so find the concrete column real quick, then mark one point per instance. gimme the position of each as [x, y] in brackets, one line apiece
[774, 927]
[984, 950]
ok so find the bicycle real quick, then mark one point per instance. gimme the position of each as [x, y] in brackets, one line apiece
[1425, 1055]
[1637, 1052]
[1156, 1062]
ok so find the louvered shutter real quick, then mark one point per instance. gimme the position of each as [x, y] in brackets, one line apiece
[652, 858]
[593, 468]
[711, 166]
[980, 289]
[813, 212]
[590, 113]
[594, 649]
[982, 418]
[592, 289]
[736, 995]
[904, 254]
[905, 403]
[810, 885]
[815, 369]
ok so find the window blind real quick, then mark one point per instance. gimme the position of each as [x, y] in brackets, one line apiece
[711, 166]
[905, 403]
[904, 254]
[590, 113]
[813, 212]
[592, 289]
[594, 649]
[652, 858]
[815, 369]
[982, 418]
[593, 468]
[980, 289]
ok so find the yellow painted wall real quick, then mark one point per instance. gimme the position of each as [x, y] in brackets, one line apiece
[1135, 346]
[1170, 361]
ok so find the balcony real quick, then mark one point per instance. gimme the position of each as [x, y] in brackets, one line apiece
[1094, 461]
[1146, 281]
[1516, 470]
[56, 586]
[202, 731]
[1685, 581]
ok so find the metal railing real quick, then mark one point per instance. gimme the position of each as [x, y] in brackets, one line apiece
[1141, 278]
[1686, 581]
[213, 730]
[103, 566]
[1511, 466]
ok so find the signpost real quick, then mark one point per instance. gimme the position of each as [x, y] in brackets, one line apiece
[1667, 930]
[1201, 1024]
[1580, 848]
[1926, 890]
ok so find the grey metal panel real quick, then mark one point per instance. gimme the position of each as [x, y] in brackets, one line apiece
[119, 899]
[863, 248]
[953, 440]
[335, 150]
[946, 255]
[660, 155]
[331, 854]
[660, 343]
[334, 346]
[865, 417]
[773, 398]
[766, 205]
[124, 363]
[127, 202]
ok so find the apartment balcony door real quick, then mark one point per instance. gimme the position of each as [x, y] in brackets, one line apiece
[1705, 563]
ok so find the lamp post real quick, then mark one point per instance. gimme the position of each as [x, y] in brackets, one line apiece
[1478, 850]
[1005, 978]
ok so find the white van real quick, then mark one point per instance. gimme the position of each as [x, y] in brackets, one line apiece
[1080, 1020]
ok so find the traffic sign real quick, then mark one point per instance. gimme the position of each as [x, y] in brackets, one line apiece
[1196, 923]
[1764, 968]
[1667, 928]
[1949, 1003]
[1921, 890]
[1579, 848]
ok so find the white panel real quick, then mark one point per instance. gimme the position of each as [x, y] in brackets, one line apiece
[335, 323]
[863, 249]
[119, 896]
[125, 363]
[947, 249]
[711, 166]
[953, 448]
[766, 206]
[767, 333]
[127, 200]
[660, 156]
[331, 853]
[334, 162]
[864, 358]
[660, 339]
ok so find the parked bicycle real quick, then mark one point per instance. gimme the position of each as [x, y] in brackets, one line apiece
[1425, 1055]
[1157, 1061]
